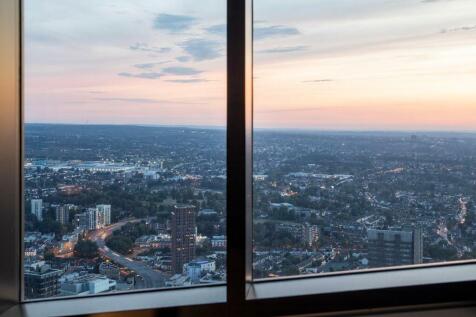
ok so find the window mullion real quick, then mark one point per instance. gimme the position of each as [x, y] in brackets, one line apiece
[10, 157]
[239, 143]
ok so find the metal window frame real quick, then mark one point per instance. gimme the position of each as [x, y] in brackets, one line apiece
[244, 297]
[10, 154]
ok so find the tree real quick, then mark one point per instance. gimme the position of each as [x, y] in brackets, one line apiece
[119, 244]
[86, 249]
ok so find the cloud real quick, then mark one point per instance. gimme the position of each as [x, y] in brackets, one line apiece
[42, 37]
[188, 81]
[287, 49]
[183, 59]
[202, 49]
[144, 47]
[150, 65]
[130, 100]
[174, 23]
[323, 109]
[264, 32]
[458, 29]
[150, 75]
[325, 80]
[219, 29]
[181, 71]
[146, 101]
[177, 71]
[433, 1]
[96, 92]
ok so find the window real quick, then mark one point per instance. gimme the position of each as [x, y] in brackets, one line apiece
[125, 154]
[364, 145]
[281, 264]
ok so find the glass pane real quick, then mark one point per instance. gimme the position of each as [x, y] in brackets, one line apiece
[364, 144]
[125, 121]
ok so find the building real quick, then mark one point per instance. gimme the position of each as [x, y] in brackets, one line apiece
[87, 284]
[41, 280]
[183, 236]
[207, 212]
[197, 268]
[30, 252]
[94, 218]
[178, 280]
[62, 214]
[81, 220]
[218, 242]
[104, 214]
[86, 220]
[310, 234]
[294, 229]
[394, 247]
[37, 208]
[154, 241]
[110, 270]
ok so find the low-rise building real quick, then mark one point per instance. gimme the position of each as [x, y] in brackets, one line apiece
[218, 242]
[110, 270]
[87, 284]
[178, 280]
[197, 268]
[154, 241]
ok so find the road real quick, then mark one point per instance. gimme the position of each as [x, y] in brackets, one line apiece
[147, 277]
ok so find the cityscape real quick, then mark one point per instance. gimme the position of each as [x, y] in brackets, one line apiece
[112, 208]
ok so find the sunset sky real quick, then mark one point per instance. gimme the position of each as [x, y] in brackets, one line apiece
[319, 64]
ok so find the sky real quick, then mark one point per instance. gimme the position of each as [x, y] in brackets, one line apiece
[318, 64]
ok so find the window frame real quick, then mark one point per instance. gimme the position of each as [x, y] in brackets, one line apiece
[293, 295]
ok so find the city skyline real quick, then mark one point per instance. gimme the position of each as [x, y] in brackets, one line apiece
[396, 65]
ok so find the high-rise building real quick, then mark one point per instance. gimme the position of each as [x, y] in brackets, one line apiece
[105, 214]
[311, 234]
[37, 208]
[94, 219]
[183, 236]
[81, 220]
[394, 247]
[62, 214]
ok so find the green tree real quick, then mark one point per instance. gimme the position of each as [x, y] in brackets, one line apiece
[119, 244]
[86, 249]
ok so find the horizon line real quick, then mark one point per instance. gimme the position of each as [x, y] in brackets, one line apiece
[301, 129]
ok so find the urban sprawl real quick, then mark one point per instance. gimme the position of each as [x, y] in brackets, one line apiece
[118, 208]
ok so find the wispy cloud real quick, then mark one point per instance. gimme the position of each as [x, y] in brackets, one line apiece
[459, 29]
[188, 81]
[176, 70]
[181, 71]
[146, 101]
[264, 32]
[434, 1]
[325, 80]
[324, 109]
[150, 65]
[144, 47]
[42, 37]
[174, 23]
[219, 29]
[287, 49]
[130, 100]
[150, 75]
[202, 49]
[183, 59]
